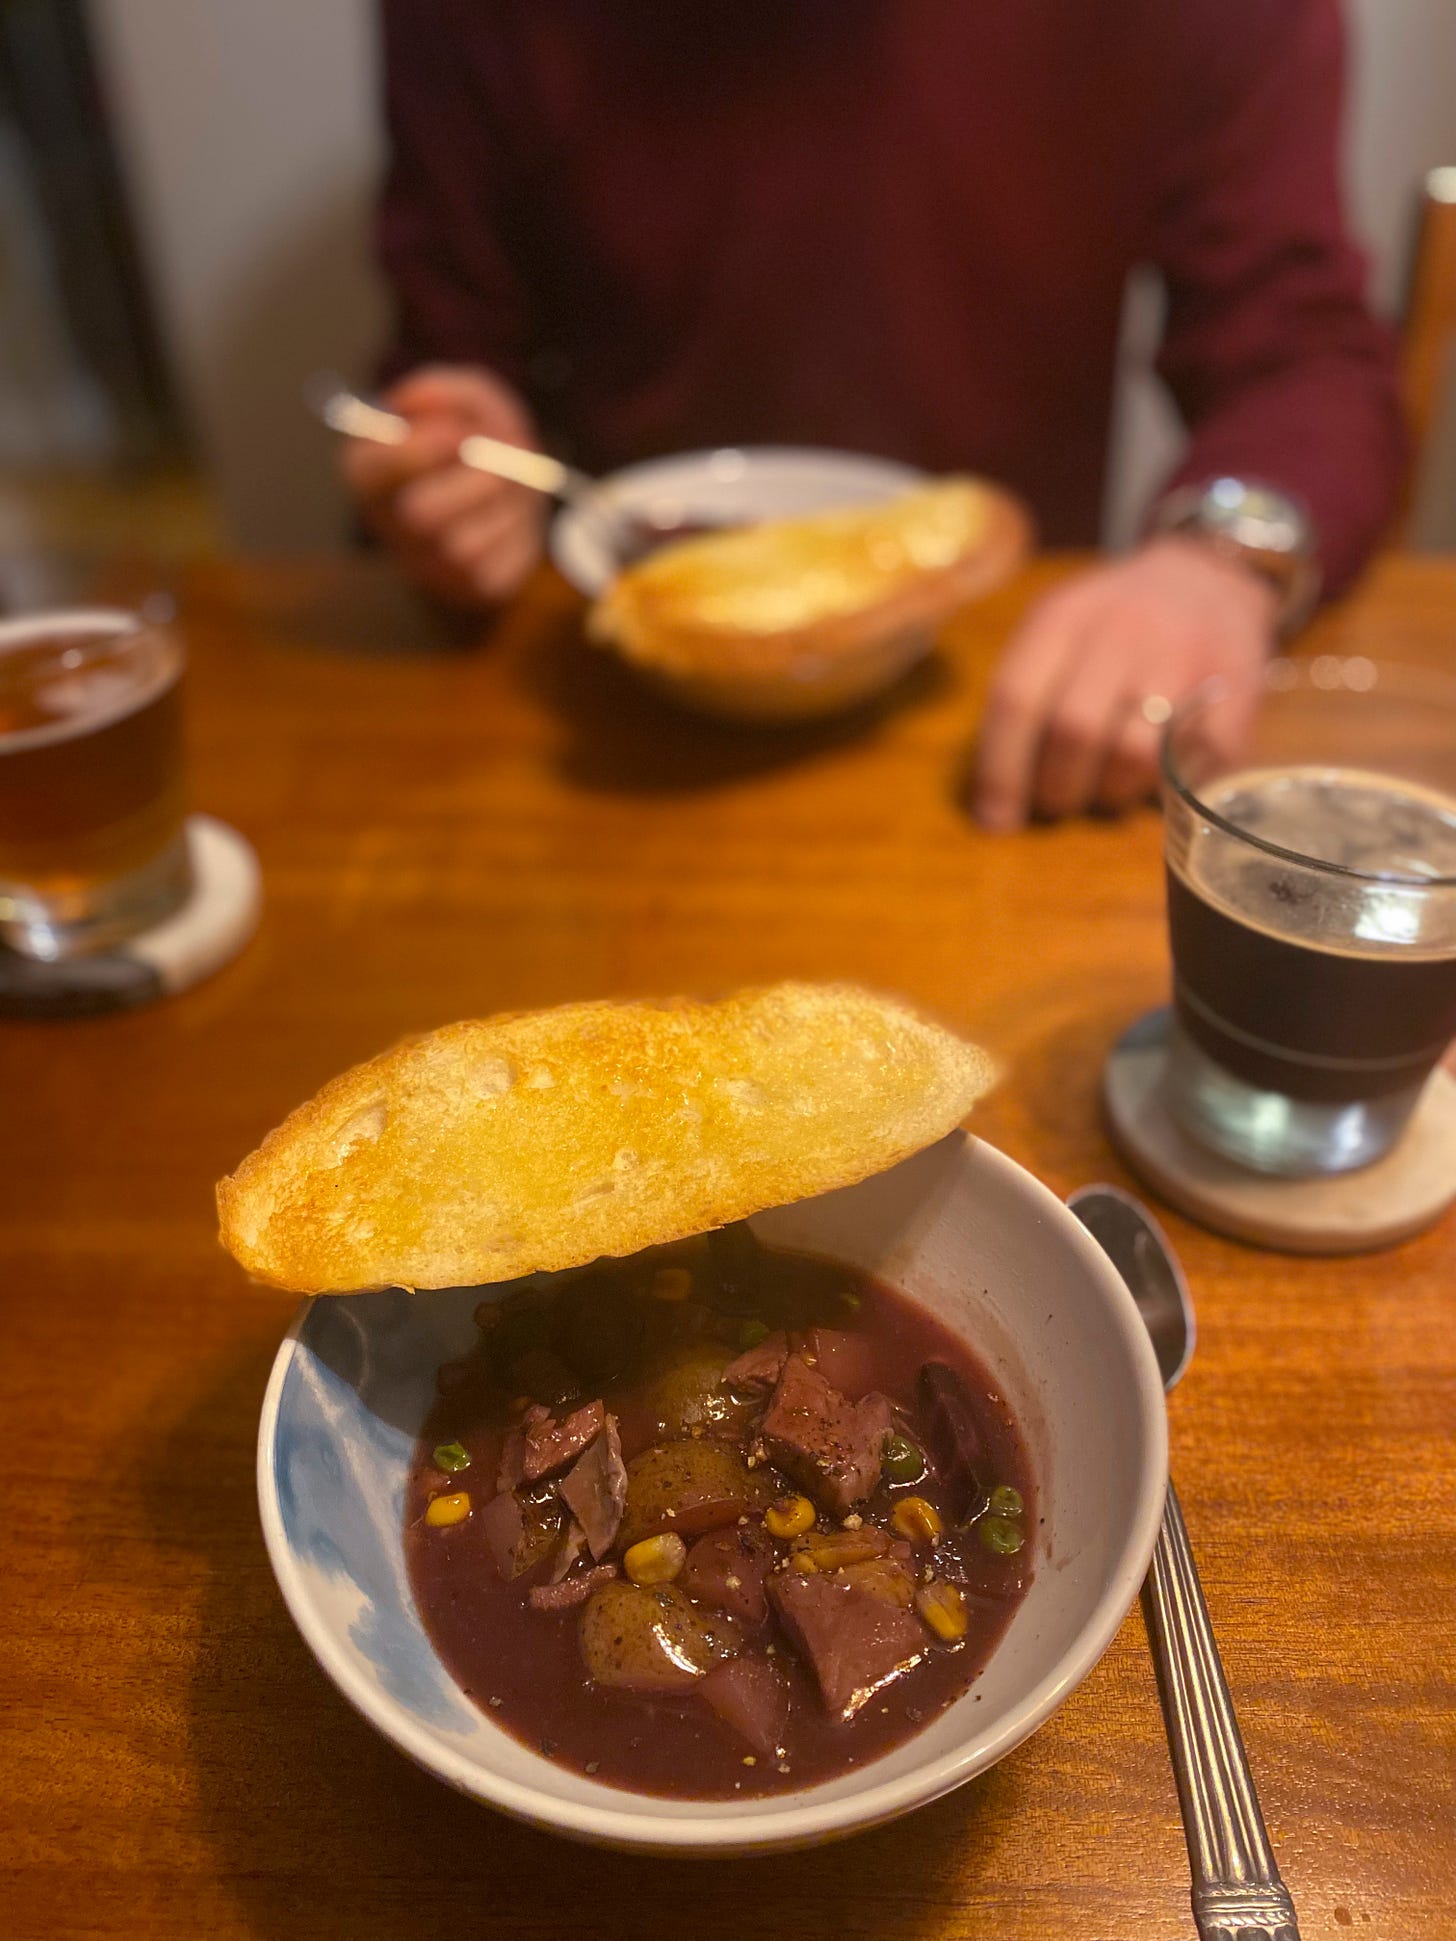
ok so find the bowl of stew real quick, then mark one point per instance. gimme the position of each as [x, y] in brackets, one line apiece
[735, 1545]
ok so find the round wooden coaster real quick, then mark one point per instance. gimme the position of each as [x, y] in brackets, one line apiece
[211, 928]
[1344, 1213]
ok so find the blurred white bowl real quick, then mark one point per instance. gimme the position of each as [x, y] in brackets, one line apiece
[728, 487]
[960, 1228]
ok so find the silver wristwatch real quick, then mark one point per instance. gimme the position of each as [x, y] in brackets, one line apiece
[1259, 526]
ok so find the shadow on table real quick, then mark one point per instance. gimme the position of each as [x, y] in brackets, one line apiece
[319, 1829]
[623, 739]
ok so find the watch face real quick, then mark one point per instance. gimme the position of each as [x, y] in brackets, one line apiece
[1256, 516]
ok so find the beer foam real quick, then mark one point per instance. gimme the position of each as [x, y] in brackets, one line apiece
[1398, 835]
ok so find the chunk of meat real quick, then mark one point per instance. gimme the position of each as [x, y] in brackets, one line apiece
[846, 1361]
[520, 1530]
[650, 1640]
[728, 1569]
[595, 1489]
[689, 1487]
[568, 1551]
[512, 1471]
[760, 1366]
[831, 1447]
[854, 1641]
[502, 1525]
[551, 1446]
[571, 1591]
[948, 1411]
[752, 1695]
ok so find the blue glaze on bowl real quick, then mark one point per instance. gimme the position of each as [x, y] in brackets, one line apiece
[353, 1397]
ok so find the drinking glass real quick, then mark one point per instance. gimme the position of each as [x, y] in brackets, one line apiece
[1311, 875]
[92, 843]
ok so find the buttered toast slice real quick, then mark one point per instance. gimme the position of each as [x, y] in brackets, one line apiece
[543, 1140]
[820, 585]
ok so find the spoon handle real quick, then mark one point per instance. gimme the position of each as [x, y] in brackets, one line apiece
[1237, 1892]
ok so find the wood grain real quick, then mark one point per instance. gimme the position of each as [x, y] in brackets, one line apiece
[450, 827]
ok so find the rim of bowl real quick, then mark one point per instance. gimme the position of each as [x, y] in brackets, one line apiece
[643, 471]
[637, 1825]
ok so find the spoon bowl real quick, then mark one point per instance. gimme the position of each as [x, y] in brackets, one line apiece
[1140, 1251]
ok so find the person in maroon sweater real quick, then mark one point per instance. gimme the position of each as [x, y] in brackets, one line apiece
[902, 227]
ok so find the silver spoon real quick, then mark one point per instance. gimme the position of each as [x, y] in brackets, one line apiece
[627, 535]
[1237, 1892]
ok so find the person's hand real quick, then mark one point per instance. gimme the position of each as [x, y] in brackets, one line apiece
[465, 537]
[1065, 728]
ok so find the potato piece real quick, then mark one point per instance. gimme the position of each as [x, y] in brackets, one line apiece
[882, 1577]
[830, 1549]
[690, 1487]
[650, 1640]
[685, 1392]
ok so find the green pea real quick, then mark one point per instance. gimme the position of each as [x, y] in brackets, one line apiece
[751, 1333]
[451, 1456]
[1006, 1501]
[903, 1462]
[1000, 1535]
[850, 1301]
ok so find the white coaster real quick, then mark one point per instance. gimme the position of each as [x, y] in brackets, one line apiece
[207, 932]
[1342, 1213]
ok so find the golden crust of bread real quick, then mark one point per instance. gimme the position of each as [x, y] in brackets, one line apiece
[823, 586]
[542, 1140]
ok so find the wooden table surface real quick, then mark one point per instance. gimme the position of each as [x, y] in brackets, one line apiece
[453, 828]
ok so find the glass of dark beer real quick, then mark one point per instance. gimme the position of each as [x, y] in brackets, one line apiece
[1311, 872]
[92, 843]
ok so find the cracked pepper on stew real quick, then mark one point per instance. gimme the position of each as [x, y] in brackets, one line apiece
[717, 1520]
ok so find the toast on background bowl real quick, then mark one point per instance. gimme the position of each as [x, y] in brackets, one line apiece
[537, 1141]
[822, 588]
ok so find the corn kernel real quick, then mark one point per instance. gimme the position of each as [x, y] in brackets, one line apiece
[671, 1284]
[656, 1560]
[913, 1517]
[442, 1511]
[791, 1516]
[804, 1563]
[944, 1610]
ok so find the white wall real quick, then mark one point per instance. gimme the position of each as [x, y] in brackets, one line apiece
[249, 134]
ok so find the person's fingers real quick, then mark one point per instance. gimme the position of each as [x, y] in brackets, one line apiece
[374, 472]
[1016, 711]
[471, 399]
[471, 539]
[427, 507]
[1131, 772]
[506, 564]
[1081, 722]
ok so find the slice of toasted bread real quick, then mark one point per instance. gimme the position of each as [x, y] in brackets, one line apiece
[820, 587]
[541, 1140]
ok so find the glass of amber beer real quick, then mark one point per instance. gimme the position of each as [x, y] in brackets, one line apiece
[92, 843]
[1311, 872]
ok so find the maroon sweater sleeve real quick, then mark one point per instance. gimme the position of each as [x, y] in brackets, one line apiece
[442, 226]
[1274, 359]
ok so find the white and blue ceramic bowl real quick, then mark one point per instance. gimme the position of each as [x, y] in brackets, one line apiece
[961, 1229]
